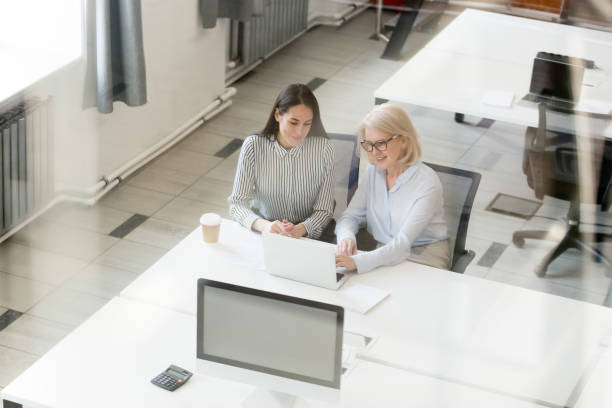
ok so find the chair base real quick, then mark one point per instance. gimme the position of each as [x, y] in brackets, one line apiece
[572, 239]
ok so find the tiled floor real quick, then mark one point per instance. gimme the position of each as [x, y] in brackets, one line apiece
[64, 266]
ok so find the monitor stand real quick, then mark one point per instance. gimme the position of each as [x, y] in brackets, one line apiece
[263, 398]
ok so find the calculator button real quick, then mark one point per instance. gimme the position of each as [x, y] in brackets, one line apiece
[179, 380]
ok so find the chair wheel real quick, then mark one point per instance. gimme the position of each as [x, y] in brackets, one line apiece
[540, 270]
[518, 241]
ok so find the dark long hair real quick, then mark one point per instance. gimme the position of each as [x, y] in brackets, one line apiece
[292, 95]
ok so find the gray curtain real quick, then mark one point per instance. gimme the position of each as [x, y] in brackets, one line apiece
[241, 10]
[115, 54]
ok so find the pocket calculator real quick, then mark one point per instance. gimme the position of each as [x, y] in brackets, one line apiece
[172, 378]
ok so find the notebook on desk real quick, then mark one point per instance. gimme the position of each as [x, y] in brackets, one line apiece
[556, 84]
[303, 260]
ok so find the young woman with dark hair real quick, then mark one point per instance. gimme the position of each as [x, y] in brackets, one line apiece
[284, 179]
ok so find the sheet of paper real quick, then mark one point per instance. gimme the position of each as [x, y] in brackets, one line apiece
[594, 106]
[500, 99]
[361, 298]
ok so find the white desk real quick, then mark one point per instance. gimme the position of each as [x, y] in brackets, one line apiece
[597, 392]
[109, 360]
[480, 52]
[470, 330]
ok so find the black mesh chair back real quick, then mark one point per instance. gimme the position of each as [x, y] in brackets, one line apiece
[346, 169]
[460, 188]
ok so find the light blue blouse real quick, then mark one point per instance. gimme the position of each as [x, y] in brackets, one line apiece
[410, 214]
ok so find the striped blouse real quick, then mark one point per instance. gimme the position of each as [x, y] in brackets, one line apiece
[275, 184]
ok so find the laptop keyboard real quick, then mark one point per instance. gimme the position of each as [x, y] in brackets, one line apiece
[558, 105]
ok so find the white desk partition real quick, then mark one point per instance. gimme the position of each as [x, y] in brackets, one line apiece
[517, 40]
[516, 341]
[109, 360]
[482, 52]
[597, 391]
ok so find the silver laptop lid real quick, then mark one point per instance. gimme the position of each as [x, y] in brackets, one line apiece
[303, 260]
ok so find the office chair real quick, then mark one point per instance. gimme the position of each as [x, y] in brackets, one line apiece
[346, 169]
[550, 162]
[460, 188]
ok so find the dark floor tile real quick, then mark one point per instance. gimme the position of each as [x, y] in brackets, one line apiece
[128, 226]
[229, 148]
[8, 317]
[492, 254]
[315, 83]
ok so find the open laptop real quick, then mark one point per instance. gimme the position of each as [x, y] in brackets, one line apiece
[304, 260]
[555, 83]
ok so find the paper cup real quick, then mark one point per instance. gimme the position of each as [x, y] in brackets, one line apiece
[211, 223]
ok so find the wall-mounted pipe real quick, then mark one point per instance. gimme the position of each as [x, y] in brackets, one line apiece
[91, 195]
[220, 103]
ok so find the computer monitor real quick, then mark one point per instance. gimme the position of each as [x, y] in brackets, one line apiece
[284, 345]
[553, 79]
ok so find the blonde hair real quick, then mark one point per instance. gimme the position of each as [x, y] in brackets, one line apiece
[393, 120]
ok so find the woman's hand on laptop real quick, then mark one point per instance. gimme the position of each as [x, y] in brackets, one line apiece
[344, 261]
[346, 247]
[294, 231]
[274, 227]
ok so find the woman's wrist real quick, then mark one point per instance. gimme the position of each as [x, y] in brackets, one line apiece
[260, 225]
[303, 232]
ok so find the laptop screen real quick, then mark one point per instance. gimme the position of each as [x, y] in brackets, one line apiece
[553, 79]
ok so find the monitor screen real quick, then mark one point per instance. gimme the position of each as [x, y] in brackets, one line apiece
[554, 79]
[270, 333]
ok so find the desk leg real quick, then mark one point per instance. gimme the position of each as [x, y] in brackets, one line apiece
[11, 404]
[402, 29]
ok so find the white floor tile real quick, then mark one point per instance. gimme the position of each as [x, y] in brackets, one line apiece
[135, 199]
[321, 52]
[186, 161]
[256, 112]
[238, 128]
[204, 141]
[130, 256]
[67, 306]
[33, 335]
[163, 180]
[277, 77]
[94, 218]
[37, 265]
[188, 212]
[209, 190]
[225, 171]
[159, 233]
[256, 91]
[20, 294]
[100, 280]
[64, 240]
[13, 363]
[302, 65]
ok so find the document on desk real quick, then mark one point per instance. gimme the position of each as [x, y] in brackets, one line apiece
[499, 99]
[360, 298]
[594, 106]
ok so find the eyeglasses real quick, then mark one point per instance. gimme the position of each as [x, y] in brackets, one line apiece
[380, 145]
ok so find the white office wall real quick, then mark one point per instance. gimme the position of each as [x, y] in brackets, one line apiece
[327, 8]
[185, 73]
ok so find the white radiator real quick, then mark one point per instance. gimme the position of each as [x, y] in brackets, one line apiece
[26, 168]
[281, 22]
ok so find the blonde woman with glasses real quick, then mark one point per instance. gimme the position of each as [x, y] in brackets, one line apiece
[399, 197]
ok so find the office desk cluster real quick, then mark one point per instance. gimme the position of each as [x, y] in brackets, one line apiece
[441, 339]
[480, 54]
